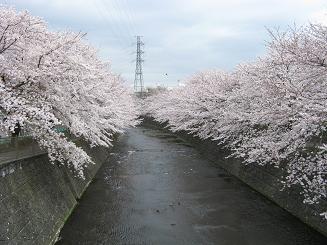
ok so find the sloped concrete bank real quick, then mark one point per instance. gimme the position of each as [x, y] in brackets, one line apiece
[37, 197]
[264, 179]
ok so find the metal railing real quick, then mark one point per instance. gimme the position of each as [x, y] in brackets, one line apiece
[15, 148]
[22, 146]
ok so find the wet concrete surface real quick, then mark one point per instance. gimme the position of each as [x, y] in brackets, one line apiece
[157, 189]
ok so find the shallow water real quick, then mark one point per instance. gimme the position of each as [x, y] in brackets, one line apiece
[156, 189]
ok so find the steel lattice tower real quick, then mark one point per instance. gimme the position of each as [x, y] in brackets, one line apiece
[138, 81]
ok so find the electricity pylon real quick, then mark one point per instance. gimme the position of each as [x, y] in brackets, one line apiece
[138, 81]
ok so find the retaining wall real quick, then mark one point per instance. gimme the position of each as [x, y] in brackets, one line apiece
[37, 197]
[264, 179]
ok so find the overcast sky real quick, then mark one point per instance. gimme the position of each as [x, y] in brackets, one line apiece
[181, 36]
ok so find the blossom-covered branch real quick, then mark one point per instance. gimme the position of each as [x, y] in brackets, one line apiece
[51, 79]
[272, 111]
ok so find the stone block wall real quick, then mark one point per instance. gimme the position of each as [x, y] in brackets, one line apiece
[37, 197]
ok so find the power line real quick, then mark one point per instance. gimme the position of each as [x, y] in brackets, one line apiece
[126, 21]
[129, 15]
[113, 16]
[115, 30]
[119, 22]
[118, 12]
[111, 27]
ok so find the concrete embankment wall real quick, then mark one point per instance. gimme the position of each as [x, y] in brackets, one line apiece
[264, 179]
[37, 197]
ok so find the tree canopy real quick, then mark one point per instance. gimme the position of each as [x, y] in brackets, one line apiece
[50, 79]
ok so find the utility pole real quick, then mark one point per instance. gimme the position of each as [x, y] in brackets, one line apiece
[138, 81]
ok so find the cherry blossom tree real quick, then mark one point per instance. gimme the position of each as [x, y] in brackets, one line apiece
[271, 111]
[51, 79]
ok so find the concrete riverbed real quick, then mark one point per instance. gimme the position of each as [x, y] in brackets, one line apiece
[157, 189]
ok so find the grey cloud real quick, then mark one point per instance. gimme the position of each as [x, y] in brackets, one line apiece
[181, 36]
